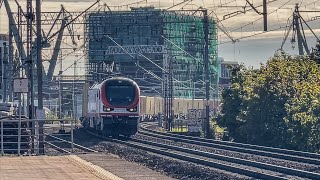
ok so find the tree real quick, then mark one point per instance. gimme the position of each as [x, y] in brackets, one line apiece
[315, 55]
[276, 105]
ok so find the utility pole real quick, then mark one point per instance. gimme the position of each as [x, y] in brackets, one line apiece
[297, 28]
[1, 64]
[167, 92]
[206, 69]
[11, 72]
[39, 74]
[30, 18]
[300, 34]
[60, 95]
[171, 95]
[5, 72]
[73, 89]
[20, 59]
[265, 16]
[165, 84]
[29, 69]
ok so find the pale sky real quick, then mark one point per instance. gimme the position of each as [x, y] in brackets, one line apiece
[250, 51]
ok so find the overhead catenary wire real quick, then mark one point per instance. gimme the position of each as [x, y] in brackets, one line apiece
[75, 62]
[151, 73]
[183, 50]
[260, 17]
[126, 5]
[194, 58]
[222, 27]
[263, 32]
[287, 32]
[74, 19]
[259, 33]
[311, 3]
[185, 1]
[310, 28]
[137, 53]
[256, 34]
[244, 9]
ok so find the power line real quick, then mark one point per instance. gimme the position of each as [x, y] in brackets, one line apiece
[75, 62]
[244, 9]
[260, 18]
[274, 29]
[149, 72]
[126, 5]
[263, 32]
[311, 3]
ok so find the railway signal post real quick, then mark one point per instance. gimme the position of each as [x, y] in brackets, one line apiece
[206, 69]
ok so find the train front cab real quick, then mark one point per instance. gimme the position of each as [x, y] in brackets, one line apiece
[120, 107]
[125, 125]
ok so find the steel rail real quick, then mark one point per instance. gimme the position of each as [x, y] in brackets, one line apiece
[228, 143]
[235, 149]
[58, 148]
[280, 169]
[189, 158]
[74, 144]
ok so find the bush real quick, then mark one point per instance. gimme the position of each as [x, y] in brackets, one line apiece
[276, 105]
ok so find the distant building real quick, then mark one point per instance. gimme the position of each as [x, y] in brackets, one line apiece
[3, 43]
[162, 37]
[225, 72]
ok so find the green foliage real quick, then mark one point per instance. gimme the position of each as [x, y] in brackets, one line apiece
[216, 132]
[277, 105]
[315, 55]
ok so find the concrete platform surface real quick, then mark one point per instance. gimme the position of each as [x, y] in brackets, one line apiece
[51, 167]
[122, 168]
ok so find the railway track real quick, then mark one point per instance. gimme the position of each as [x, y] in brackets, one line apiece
[67, 147]
[290, 155]
[239, 166]
[281, 158]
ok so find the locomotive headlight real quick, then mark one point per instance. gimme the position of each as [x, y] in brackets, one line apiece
[107, 109]
[132, 109]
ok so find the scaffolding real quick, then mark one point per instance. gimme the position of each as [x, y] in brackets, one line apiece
[181, 33]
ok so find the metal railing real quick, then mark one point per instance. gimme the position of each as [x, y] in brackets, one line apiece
[179, 125]
[34, 136]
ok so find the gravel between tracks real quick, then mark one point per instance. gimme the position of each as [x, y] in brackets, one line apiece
[170, 167]
[51, 151]
[251, 157]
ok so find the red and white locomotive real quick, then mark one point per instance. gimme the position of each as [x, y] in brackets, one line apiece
[113, 107]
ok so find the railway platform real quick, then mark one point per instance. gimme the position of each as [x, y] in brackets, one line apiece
[103, 166]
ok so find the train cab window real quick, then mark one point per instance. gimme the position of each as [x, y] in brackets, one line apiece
[120, 95]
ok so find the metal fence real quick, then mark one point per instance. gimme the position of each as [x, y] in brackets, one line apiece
[179, 125]
[34, 136]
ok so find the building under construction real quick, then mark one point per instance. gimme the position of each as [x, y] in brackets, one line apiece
[148, 45]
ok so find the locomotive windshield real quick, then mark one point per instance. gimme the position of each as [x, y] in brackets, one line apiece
[120, 95]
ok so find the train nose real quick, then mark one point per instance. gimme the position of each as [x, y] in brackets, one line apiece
[117, 118]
